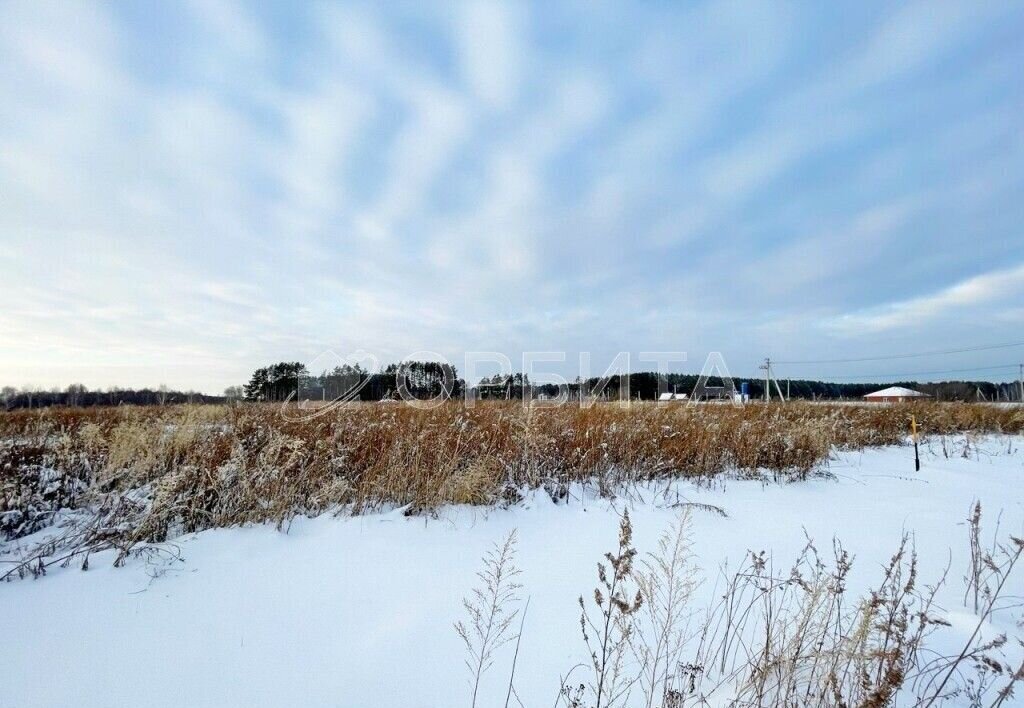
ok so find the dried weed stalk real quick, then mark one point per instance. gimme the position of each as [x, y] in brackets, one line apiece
[491, 610]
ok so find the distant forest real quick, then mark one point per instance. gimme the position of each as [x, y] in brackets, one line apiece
[79, 395]
[424, 380]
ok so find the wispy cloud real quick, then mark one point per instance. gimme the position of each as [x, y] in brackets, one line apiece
[995, 291]
[234, 182]
[490, 51]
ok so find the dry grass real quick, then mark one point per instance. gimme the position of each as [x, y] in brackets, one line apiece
[147, 474]
[796, 636]
[775, 637]
[800, 638]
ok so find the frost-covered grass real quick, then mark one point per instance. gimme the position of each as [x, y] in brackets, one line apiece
[121, 477]
[359, 610]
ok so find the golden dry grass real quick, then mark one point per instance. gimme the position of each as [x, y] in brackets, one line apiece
[205, 466]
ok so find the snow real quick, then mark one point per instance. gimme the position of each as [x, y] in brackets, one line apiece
[358, 611]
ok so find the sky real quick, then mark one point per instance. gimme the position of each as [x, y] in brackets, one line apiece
[191, 190]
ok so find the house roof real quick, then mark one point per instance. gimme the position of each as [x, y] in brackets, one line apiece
[897, 392]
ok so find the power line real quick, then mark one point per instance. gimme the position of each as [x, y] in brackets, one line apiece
[921, 373]
[906, 356]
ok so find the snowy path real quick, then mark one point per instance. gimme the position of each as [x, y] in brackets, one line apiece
[358, 611]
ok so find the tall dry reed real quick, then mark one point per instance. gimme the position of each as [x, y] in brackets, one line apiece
[147, 474]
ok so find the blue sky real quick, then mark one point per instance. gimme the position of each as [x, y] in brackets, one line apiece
[191, 190]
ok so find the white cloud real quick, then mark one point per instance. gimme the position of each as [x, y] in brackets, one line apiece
[231, 293]
[322, 129]
[426, 144]
[230, 27]
[847, 249]
[397, 179]
[988, 289]
[491, 51]
[52, 45]
[755, 161]
[914, 35]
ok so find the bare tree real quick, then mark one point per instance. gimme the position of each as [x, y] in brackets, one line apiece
[75, 394]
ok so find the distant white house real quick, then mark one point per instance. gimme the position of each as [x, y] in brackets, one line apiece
[673, 397]
[895, 394]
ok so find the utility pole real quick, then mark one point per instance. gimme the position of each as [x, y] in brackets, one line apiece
[769, 380]
[767, 367]
[777, 389]
[1020, 381]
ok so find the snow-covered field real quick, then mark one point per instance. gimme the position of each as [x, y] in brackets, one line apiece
[344, 611]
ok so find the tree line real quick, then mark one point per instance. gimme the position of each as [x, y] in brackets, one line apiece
[291, 380]
[426, 380]
[77, 395]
